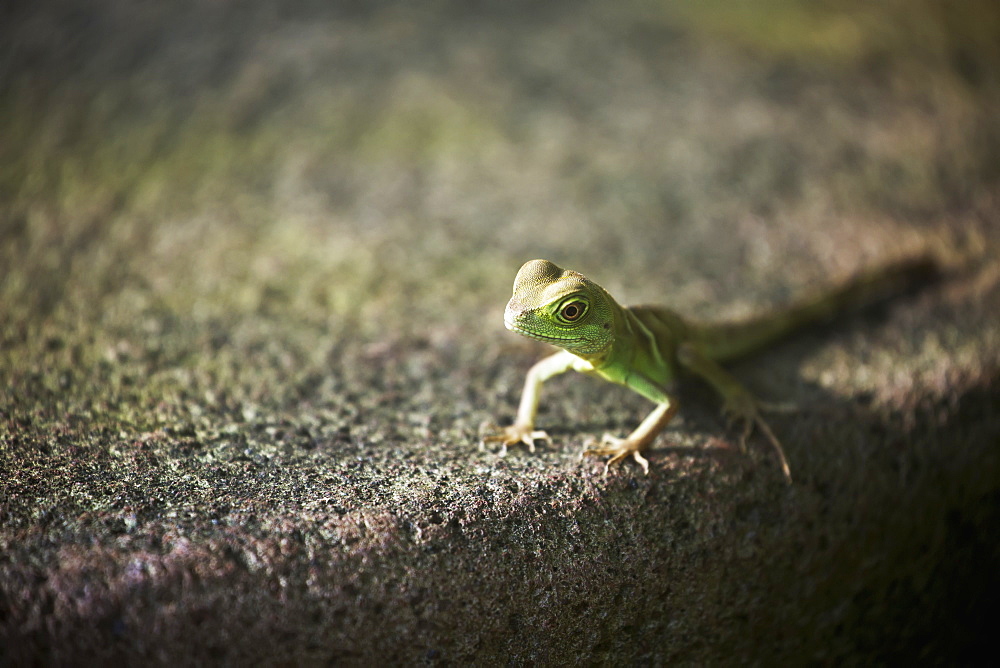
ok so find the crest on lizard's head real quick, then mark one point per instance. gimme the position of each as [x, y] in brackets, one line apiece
[560, 307]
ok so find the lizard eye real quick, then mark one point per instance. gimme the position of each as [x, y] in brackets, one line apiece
[572, 311]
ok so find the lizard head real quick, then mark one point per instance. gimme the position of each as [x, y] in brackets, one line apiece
[560, 307]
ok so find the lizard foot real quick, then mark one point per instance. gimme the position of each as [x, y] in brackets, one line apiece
[620, 448]
[513, 435]
[743, 408]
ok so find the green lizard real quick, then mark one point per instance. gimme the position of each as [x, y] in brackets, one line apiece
[646, 348]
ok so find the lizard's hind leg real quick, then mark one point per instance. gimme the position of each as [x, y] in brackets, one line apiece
[737, 403]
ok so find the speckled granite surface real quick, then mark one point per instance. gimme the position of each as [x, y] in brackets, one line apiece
[253, 262]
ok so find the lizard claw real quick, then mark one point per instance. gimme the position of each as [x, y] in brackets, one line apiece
[619, 449]
[513, 435]
[763, 426]
[743, 408]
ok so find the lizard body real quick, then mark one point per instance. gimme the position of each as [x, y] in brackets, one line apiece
[646, 348]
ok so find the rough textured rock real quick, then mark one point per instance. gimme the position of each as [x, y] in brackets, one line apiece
[253, 261]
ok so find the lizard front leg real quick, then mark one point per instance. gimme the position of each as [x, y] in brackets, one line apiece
[523, 430]
[638, 440]
[737, 402]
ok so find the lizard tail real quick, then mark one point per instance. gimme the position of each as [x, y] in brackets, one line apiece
[728, 341]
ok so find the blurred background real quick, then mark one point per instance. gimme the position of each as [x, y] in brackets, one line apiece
[333, 163]
[205, 181]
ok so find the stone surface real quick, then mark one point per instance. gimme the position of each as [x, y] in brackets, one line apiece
[253, 263]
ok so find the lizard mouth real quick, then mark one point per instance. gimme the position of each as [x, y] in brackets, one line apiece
[513, 326]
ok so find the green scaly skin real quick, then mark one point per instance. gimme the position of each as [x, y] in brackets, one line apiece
[646, 348]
